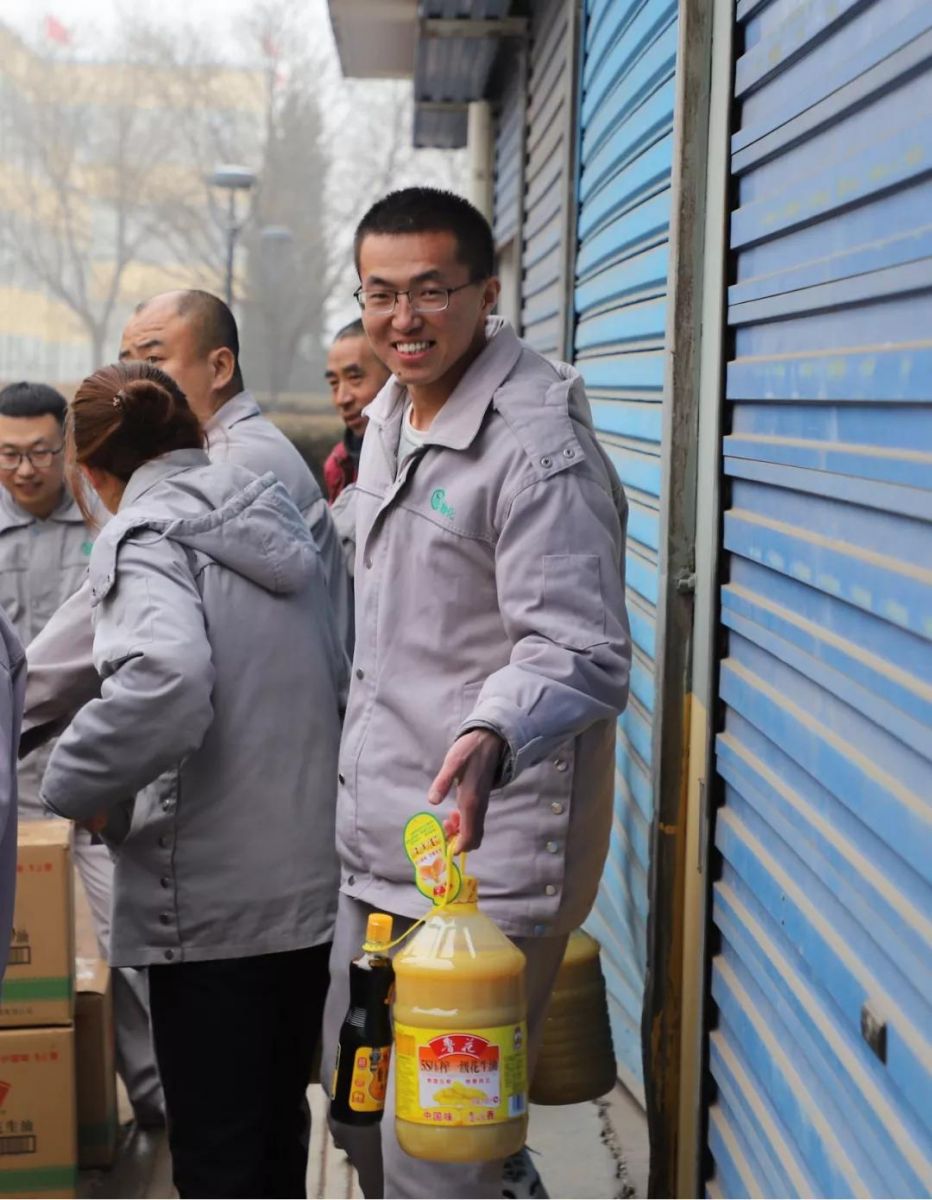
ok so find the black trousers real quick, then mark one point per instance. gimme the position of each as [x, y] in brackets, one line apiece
[234, 1040]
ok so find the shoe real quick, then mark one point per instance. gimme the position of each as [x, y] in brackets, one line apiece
[520, 1178]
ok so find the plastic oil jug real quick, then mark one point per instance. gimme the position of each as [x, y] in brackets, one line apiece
[360, 1077]
[460, 1037]
[577, 1059]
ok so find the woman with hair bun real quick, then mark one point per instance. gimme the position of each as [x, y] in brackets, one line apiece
[212, 749]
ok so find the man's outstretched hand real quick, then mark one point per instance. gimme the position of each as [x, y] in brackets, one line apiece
[471, 764]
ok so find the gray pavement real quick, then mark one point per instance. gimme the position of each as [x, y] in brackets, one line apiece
[597, 1149]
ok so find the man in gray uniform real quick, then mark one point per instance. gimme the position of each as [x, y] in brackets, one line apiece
[44, 550]
[492, 649]
[12, 687]
[192, 336]
[355, 377]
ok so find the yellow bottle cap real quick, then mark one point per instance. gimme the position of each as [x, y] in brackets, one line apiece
[469, 892]
[378, 929]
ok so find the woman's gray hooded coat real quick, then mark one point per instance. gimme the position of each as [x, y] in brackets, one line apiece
[213, 744]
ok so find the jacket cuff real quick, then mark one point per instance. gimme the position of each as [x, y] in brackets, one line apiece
[504, 772]
[514, 730]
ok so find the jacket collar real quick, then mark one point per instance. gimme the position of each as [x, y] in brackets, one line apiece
[459, 421]
[238, 408]
[14, 517]
[145, 478]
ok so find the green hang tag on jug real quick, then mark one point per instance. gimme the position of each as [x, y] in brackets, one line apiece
[435, 876]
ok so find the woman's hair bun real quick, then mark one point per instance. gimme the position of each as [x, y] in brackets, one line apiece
[126, 414]
[151, 401]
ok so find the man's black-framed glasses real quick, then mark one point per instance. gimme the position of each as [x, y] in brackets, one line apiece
[428, 297]
[41, 457]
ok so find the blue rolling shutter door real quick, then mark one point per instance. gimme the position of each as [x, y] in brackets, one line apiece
[508, 172]
[820, 1044]
[620, 296]
[544, 284]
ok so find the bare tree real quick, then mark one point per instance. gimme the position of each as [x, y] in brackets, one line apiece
[332, 147]
[369, 130]
[104, 195]
[105, 175]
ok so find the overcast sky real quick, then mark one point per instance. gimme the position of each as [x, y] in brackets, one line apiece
[83, 17]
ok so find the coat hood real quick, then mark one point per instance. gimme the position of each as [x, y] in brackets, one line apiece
[220, 511]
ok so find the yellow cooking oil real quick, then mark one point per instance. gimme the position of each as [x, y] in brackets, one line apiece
[576, 1061]
[460, 1037]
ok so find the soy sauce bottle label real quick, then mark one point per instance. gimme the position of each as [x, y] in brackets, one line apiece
[369, 1081]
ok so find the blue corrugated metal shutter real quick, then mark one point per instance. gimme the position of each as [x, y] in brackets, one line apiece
[823, 903]
[547, 169]
[508, 173]
[626, 134]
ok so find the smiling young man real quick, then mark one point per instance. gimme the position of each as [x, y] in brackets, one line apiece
[44, 553]
[492, 647]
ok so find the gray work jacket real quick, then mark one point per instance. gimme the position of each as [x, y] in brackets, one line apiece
[219, 707]
[42, 563]
[12, 687]
[239, 433]
[61, 673]
[490, 593]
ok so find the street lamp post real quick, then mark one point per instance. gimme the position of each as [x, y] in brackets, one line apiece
[277, 276]
[232, 179]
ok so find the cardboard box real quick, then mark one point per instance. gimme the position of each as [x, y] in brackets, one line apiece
[39, 985]
[38, 1126]
[94, 1064]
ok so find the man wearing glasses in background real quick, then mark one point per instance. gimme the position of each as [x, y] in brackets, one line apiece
[44, 551]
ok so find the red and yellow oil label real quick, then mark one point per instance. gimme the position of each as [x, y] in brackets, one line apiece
[466, 1077]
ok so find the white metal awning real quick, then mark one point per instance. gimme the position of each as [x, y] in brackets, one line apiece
[449, 47]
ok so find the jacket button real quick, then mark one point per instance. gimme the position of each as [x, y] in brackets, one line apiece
[546, 461]
[560, 764]
[341, 778]
[552, 847]
[569, 452]
[164, 919]
[550, 890]
[351, 879]
[540, 930]
[165, 881]
[169, 954]
[360, 673]
[164, 842]
[556, 807]
[368, 564]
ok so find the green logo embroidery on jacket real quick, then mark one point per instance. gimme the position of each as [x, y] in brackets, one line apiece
[86, 548]
[438, 502]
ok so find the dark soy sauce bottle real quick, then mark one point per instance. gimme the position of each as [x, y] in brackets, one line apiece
[360, 1077]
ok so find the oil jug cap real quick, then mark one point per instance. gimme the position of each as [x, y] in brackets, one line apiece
[378, 931]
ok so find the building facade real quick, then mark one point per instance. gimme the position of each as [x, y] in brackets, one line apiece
[719, 212]
[103, 199]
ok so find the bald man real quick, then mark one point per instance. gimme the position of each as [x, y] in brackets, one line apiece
[192, 336]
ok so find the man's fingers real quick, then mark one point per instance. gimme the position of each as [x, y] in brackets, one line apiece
[447, 775]
[451, 824]
[470, 763]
